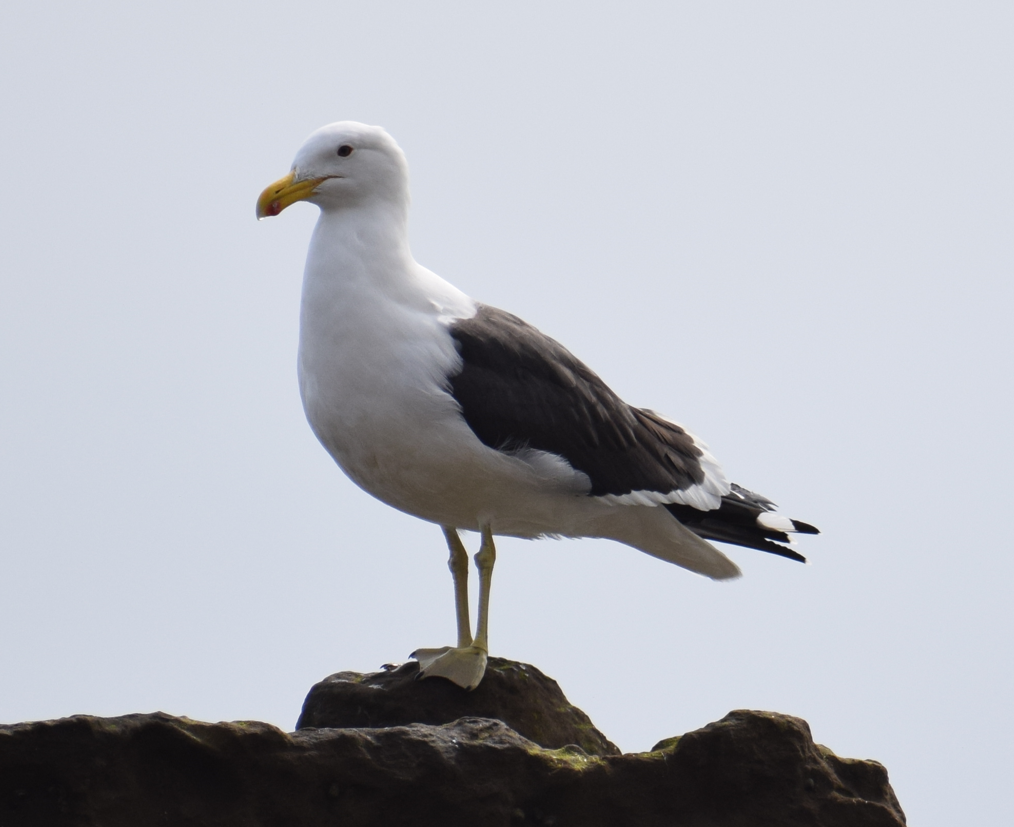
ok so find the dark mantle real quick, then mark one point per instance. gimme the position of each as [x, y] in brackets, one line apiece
[384, 749]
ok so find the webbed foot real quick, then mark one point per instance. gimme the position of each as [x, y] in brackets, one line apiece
[464, 666]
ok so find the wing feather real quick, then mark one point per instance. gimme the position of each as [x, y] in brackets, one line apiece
[519, 389]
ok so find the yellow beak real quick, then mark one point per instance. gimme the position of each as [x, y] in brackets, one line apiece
[285, 192]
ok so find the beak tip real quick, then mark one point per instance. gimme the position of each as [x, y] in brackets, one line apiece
[268, 210]
[282, 194]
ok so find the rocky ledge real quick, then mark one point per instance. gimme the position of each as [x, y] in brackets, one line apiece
[385, 749]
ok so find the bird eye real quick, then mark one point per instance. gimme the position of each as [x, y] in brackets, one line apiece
[344, 150]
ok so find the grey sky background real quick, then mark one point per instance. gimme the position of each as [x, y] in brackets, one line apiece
[785, 224]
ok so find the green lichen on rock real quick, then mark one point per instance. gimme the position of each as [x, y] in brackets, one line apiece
[666, 744]
[573, 757]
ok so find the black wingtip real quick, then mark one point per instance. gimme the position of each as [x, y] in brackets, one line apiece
[805, 528]
[779, 550]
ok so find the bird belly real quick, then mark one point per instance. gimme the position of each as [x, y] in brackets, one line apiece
[406, 443]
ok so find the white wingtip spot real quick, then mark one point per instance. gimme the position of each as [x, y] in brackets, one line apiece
[775, 522]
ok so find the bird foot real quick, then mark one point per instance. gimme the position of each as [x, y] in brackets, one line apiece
[464, 666]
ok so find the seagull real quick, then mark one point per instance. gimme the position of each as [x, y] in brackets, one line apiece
[466, 416]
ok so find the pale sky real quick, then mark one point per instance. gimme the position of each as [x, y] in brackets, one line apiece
[787, 225]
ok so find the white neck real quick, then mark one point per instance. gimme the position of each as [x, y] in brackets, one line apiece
[359, 248]
[370, 314]
[355, 253]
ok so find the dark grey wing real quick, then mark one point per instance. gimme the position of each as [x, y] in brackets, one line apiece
[519, 389]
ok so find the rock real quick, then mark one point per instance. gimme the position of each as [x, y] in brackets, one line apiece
[764, 767]
[518, 694]
[750, 768]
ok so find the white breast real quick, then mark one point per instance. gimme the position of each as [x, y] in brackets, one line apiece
[374, 357]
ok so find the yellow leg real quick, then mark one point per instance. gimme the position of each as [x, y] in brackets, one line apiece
[484, 561]
[458, 564]
[464, 664]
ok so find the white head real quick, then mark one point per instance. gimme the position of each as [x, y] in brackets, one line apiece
[344, 164]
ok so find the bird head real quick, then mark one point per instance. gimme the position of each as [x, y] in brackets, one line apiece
[341, 165]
